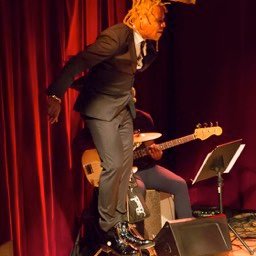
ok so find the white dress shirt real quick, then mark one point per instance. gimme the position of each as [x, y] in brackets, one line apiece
[138, 39]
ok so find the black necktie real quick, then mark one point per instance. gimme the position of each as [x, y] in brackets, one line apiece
[142, 46]
[141, 55]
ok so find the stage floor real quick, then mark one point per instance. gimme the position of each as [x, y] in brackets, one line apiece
[239, 250]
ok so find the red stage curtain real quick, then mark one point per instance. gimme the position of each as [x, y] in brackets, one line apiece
[205, 72]
[43, 189]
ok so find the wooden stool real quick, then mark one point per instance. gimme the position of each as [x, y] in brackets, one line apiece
[161, 207]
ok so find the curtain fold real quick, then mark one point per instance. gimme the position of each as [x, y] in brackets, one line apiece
[205, 71]
[43, 188]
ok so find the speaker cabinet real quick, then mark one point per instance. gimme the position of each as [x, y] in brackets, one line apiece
[194, 237]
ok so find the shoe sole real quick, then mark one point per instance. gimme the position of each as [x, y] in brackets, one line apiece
[147, 246]
[109, 250]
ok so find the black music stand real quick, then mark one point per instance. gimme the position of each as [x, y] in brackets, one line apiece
[217, 162]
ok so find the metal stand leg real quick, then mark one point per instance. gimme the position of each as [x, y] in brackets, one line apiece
[241, 240]
[220, 185]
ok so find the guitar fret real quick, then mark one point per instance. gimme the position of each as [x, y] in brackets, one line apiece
[168, 144]
[176, 142]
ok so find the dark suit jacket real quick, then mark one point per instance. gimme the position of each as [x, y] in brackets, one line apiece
[112, 62]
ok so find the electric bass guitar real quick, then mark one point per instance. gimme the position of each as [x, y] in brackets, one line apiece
[92, 165]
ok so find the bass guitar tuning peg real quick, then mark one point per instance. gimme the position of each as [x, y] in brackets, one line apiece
[217, 123]
[198, 125]
[205, 124]
[137, 132]
[211, 124]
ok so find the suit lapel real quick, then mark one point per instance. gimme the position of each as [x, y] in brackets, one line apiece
[132, 51]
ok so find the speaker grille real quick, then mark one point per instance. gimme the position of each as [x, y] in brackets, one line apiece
[204, 236]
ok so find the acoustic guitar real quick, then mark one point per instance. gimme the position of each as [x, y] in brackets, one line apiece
[92, 165]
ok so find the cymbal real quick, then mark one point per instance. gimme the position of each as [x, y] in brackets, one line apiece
[141, 137]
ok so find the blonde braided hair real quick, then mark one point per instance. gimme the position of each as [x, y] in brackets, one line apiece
[141, 8]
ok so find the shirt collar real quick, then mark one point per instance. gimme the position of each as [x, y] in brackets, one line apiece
[137, 37]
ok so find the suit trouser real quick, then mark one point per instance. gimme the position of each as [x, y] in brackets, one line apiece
[114, 142]
[164, 180]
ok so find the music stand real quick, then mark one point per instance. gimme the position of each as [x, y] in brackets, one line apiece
[217, 162]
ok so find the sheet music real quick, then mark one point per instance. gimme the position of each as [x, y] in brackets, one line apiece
[223, 157]
[233, 160]
[205, 160]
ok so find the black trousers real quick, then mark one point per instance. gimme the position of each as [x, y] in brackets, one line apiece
[114, 142]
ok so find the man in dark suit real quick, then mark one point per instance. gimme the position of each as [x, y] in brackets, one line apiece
[106, 105]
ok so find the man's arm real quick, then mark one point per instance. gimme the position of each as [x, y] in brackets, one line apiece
[106, 45]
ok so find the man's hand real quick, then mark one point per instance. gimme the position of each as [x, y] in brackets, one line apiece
[155, 152]
[54, 107]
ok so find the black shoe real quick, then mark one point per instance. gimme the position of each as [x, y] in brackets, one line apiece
[117, 246]
[129, 237]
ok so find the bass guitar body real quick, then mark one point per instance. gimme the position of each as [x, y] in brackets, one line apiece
[92, 166]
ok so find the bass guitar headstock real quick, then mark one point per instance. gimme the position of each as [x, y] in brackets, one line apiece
[205, 132]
